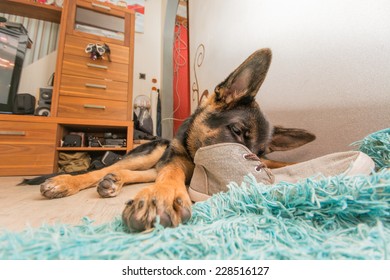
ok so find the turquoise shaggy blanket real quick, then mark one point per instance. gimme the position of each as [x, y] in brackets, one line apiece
[331, 218]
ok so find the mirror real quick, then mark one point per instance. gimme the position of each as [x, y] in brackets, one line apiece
[40, 58]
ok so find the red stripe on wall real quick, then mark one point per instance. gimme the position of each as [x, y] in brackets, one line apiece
[181, 83]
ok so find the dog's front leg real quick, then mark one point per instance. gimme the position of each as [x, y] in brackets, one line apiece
[141, 160]
[65, 185]
[112, 183]
[167, 199]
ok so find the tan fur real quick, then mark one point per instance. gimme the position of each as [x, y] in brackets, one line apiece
[167, 198]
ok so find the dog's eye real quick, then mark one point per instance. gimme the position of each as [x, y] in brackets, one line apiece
[235, 130]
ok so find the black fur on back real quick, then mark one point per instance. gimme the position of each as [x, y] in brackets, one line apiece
[141, 150]
[147, 148]
[39, 180]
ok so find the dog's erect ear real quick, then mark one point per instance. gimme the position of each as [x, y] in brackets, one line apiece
[241, 86]
[284, 139]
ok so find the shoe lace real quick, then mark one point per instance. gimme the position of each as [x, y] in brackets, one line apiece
[261, 166]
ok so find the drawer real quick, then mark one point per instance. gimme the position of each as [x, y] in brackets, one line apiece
[76, 46]
[22, 159]
[85, 67]
[26, 148]
[93, 88]
[27, 132]
[89, 108]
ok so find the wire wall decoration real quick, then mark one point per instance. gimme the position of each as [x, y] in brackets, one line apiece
[199, 57]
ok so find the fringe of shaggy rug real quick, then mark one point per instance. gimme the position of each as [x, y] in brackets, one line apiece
[333, 218]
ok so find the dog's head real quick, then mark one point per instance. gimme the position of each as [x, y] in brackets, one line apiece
[232, 114]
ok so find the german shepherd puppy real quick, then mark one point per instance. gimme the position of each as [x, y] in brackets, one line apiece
[231, 114]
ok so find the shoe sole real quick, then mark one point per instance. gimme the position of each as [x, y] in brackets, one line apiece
[362, 165]
[197, 196]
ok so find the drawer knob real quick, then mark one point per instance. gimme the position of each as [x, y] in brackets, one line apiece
[95, 86]
[13, 133]
[92, 106]
[92, 65]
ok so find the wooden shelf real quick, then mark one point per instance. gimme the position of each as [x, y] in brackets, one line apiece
[65, 121]
[92, 122]
[88, 149]
[26, 118]
[28, 8]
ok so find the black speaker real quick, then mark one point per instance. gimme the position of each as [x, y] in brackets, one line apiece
[44, 102]
[24, 104]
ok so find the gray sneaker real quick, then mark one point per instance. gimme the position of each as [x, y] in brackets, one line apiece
[218, 165]
[343, 163]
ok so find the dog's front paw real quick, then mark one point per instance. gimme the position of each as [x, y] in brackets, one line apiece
[110, 185]
[59, 186]
[172, 208]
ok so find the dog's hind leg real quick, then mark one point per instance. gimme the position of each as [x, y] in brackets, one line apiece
[112, 183]
[143, 157]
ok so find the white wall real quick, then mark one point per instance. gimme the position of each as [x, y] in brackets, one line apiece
[37, 74]
[147, 51]
[331, 62]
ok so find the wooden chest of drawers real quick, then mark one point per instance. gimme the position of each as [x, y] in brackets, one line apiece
[94, 89]
[27, 148]
[99, 89]
[96, 94]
